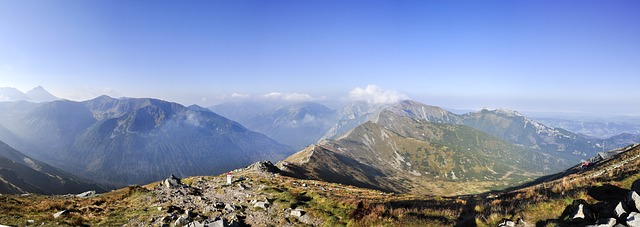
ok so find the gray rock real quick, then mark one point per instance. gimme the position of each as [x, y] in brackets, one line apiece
[86, 194]
[172, 182]
[229, 207]
[297, 213]
[181, 221]
[264, 166]
[621, 210]
[218, 223]
[63, 212]
[606, 222]
[262, 205]
[195, 224]
[633, 219]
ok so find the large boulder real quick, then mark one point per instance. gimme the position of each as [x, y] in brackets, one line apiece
[264, 167]
[621, 211]
[171, 182]
[633, 219]
[633, 201]
[581, 212]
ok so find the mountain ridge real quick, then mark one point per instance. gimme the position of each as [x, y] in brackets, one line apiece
[106, 139]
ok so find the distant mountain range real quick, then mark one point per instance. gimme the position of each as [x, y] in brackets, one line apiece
[296, 125]
[37, 94]
[20, 174]
[132, 141]
[412, 147]
[596, 128]
[399, 147]
[281, 124]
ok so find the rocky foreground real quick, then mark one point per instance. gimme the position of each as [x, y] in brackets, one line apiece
[256, 196]
[603, 194]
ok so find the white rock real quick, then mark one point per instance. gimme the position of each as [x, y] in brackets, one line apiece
[262, 205]
[633, 219]
[57, 215]
[634, 200]
[86, 194]
[297, 213]
[621, 210]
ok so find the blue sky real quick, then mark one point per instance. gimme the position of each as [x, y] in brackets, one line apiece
[561, 56]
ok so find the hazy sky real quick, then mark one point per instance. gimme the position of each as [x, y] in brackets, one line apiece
[576, 56]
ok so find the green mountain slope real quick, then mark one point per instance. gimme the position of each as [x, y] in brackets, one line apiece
[404, 154]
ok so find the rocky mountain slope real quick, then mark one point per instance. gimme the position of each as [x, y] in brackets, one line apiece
[260, 196]
[128, 141]
[20, 174]
[407, 152]
[518, 129]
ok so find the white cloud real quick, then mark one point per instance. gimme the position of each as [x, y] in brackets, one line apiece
[288, 96]
[240, 95]
[376, 95]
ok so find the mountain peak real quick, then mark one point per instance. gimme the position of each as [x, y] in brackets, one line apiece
[505, 112]
[39, 94]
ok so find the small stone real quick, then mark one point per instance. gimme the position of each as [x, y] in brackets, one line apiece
[57, 215]
[31, 221]
[297, 213]
[86, 194]
[195, 224]
[229, 207]
[159, 208]
[181, 221]
[506, 223]
[262, 205]
[218, 223]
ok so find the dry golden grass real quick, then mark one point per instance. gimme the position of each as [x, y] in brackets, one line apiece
[342, 205]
